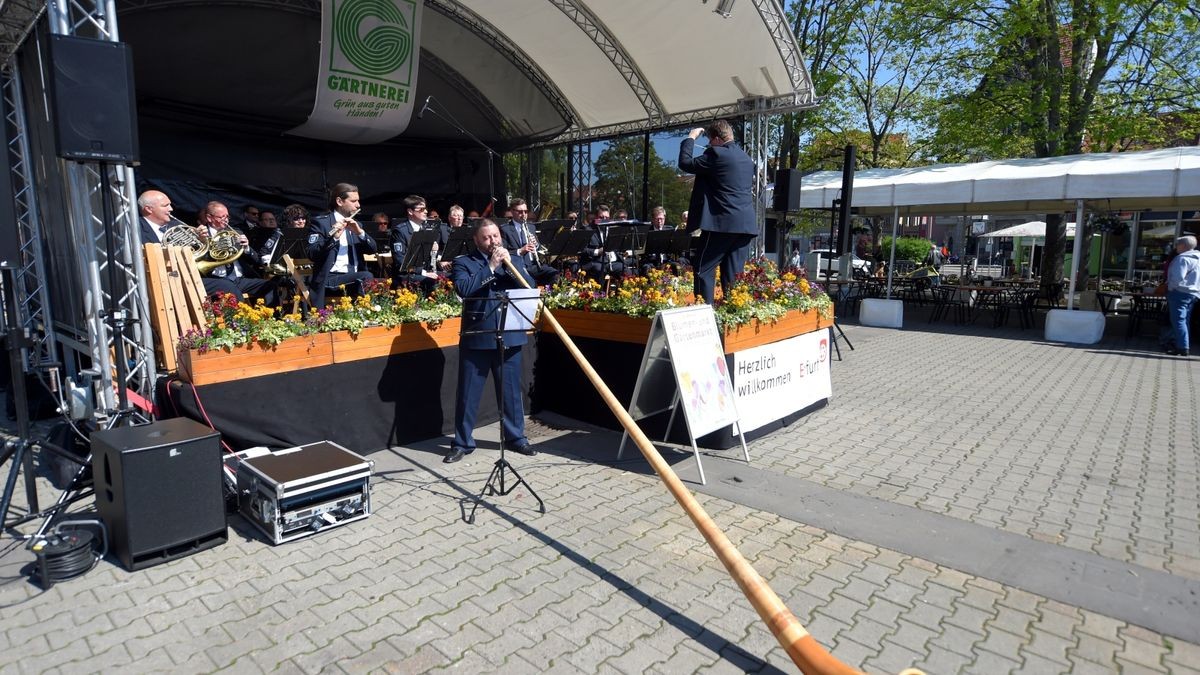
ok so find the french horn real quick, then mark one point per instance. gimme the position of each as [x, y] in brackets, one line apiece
[222, 248]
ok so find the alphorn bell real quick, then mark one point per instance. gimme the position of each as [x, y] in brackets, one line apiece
[809, 656]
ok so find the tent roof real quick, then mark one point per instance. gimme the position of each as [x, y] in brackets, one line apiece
[1034, 228]
[515, 73]
[1150, 179]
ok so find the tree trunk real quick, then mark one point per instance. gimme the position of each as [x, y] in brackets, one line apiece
[1052, 255]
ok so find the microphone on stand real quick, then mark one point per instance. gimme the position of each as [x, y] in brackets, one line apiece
[425, 107]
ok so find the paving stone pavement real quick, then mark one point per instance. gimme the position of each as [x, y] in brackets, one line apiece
[1096, 448]
[615, 579]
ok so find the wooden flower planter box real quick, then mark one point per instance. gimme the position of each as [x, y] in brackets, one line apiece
[789, 325]
[620, 328]
[601, 325]
[407, 337]
[254, 360]
[315, 350]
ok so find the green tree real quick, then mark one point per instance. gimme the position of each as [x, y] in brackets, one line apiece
[1057, 77]
[534, 175]
[618, 174]
[822, 30]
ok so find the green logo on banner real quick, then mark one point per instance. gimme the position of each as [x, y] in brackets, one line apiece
[384, 47]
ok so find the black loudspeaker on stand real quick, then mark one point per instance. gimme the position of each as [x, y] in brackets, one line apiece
[92, 100]
[158, 490]
[787, 191]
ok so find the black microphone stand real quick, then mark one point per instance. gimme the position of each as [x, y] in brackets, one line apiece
[448, 118]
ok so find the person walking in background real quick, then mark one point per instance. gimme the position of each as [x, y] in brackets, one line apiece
[1183, 288]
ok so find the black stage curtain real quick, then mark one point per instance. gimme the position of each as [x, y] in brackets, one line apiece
[560, 386]
[363, 405]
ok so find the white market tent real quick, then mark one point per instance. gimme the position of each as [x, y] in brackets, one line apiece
[1034, 228]
[1150, 179]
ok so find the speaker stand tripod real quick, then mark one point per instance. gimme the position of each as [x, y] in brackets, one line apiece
[496, 484]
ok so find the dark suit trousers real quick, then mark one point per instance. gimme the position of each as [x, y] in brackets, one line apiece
[730, 251]
[473, 368]
[351, 280]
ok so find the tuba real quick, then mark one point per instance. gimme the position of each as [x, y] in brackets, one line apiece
[222, 248]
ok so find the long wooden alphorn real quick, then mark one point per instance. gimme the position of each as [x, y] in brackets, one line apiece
[806, 653]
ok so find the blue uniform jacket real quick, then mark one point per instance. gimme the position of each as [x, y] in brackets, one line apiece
[322, 249]
[479, 287]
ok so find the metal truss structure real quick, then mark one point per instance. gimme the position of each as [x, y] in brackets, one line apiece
[503, 45]
[772, 105]
[612, 49]
[17, 18]
[126, 334]
[579, 177]
[757, 137]
[32, 294]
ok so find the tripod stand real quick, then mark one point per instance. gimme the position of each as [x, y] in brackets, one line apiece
[497, 483]
[18, 449]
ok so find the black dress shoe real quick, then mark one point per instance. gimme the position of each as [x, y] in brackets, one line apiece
[526, 449]
[457, 454]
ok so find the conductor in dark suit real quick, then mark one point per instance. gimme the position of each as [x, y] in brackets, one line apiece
[721, 206]
[481, 277]
[336, 245]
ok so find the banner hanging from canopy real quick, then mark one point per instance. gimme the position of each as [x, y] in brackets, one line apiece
[368, 70]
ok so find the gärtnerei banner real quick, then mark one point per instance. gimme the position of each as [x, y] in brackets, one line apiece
[368, 70]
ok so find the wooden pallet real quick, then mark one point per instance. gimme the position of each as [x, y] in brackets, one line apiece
[176, 298]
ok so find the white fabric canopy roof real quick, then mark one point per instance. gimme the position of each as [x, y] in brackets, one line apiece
[625, 65]
[1150, 179]
[1034, 228]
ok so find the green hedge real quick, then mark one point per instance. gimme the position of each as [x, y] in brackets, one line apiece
[907, 248]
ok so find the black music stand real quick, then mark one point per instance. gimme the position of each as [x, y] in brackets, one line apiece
[420, 248]
[668, 245]
[547, 230]
[522, 318]
[461, 242]
[293, 243]
[621, 238]
[568, 244]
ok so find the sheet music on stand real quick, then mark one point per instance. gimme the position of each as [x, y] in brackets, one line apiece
[522, 308]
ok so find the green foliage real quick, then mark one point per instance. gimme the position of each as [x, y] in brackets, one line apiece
[907, 248]
[232, 324]
[618, 174]
[761, 293]
[541, 168]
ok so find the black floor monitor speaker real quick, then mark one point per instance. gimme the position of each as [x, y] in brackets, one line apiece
[92, 99]
[787, 190]
[159, 490]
